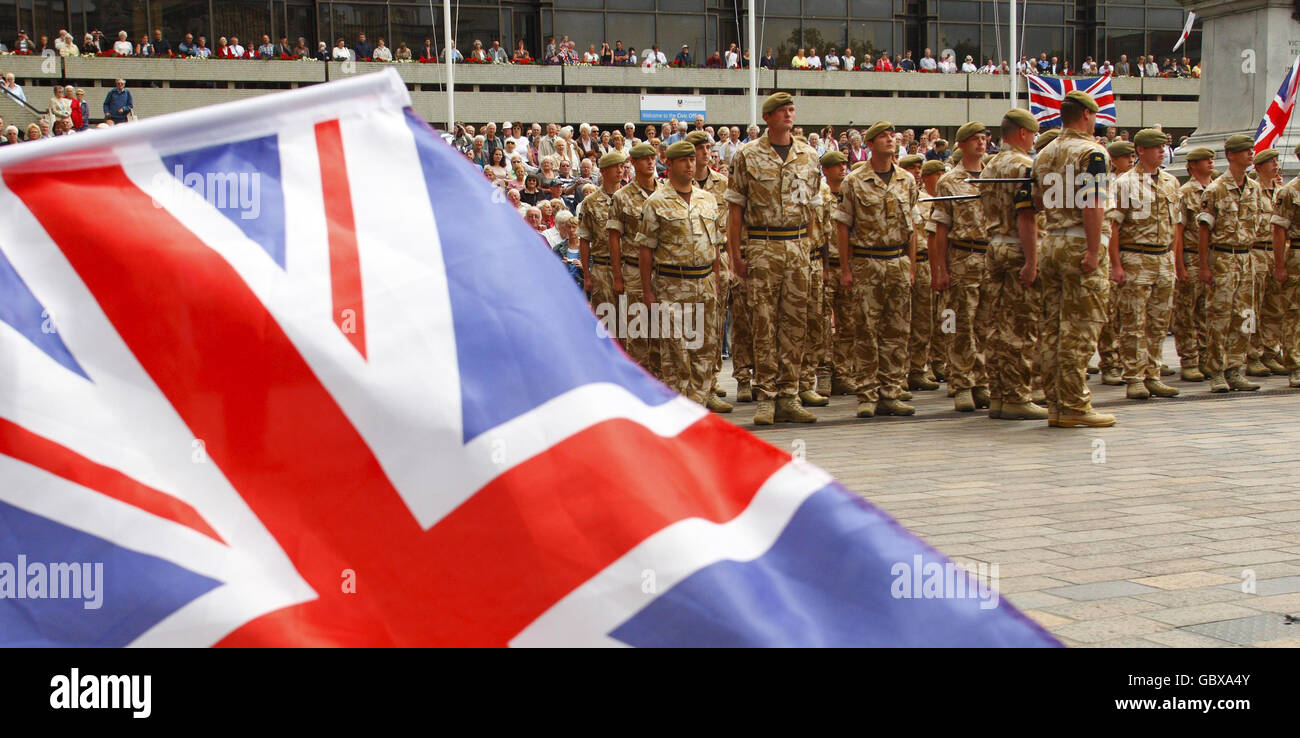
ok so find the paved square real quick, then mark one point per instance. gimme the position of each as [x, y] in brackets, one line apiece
[1144, 534]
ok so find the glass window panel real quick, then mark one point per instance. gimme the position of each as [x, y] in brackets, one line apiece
[1039, 39]
[872, 9]
[413, 24]
[247, 19]
[1165, 19]
[782, 36]
[955, 10]
[630, 4]
[823, 35]
[962, 38]
[475, 24]
[180, 17]
[827, 8]
[9, 23]
[562, 4]
[635, 30]
[697, 5]
[1131, 17]
[1119, 41]
[1044, 13]
[582, 28]
[675, 30]
[109, 16]
[870, 37]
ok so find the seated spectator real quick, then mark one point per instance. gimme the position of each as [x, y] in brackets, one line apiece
[814, 61]
[883, 64]
[122, 47]
[832, 60]
[223, 49]
[767, 61]
[799, 60]
[496, 163]
[928, 63]
[968, 66]
[544, 205]
[237, 50]
[266, 49]
[512, 197]
[201, 50]
[341, 52]
[848, 61]
[282, 49]
[534, 218]
[402, 53]
[714, 61]
[363, 49]
[906, 64]
[11, 135]
[590, 56]
[521, 55]
[33, 132]
[382, 52]
[530, 193]
[186, 47]
[620, 54]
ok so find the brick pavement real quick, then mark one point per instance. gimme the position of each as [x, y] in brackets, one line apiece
[1140, 535]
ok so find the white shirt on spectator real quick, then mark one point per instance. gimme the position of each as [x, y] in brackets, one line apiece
[988, 69]
[733, 60]
[967, 67]
[123, 48]
[832, 62]
[1107, 68]
[235, 49]
[521, 145]
[344, 54]
[383, 53]
[814, 62]
[849, 62]
[591, 57]
[928, 63]
[655, 59]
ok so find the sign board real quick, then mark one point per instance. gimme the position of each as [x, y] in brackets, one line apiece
[659, 108]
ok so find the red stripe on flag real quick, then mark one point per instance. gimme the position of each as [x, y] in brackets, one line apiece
[480, 575]
[61, 461]
[345, 261]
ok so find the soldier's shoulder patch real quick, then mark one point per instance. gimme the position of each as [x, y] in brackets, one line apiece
[1096, 162]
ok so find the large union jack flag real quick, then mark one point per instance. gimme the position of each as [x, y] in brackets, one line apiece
[1279, 109]
[1046, 94]
[359, 403]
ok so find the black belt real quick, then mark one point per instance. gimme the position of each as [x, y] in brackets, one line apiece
[777, 234]
[833, 260]
[1263, 245]
[683, 272]
[976, 246]
[1152, 249]
[922, 258]
[1231, 250]
[888, 252]
[601, 261]
[630, 261]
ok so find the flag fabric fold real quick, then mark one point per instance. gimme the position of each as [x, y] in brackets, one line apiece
[1278, 114]
[1046, 94]
[292, 373]
[1187, 30]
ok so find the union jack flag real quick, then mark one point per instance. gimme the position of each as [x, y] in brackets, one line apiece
[1279, 110]
[1046, 94]
[365, 406]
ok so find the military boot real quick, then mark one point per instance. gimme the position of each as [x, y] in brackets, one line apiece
[1090, 419]
[1218, 383]
[1160, 389]
[720, 392]
[1191, 374]
[1238, 381]
[788, 410]
[894, 407]
[940, 373]
[744, 391]
[1112, 377]
[1294, 380]
[1094, 369]
[1022, 411]
[765, 412]
[1275, 366]
[905, 395]
[917, 381]
[824, 384]
[718, 405]
[1256, 368]
[981, 396]
[995, 409]
[1039, 397]
[1137, 390]
[866, 409]
[1166, 370]
[963, 402]
[811, 398]
[842, 386]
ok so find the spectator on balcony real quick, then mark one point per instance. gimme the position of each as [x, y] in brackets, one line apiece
[606, 56]
[364, 49]
[1122, 67]
[266, 49]
[478, 54]
[767, 61]
[590, 56]
[847, 62]
[714, 61]
[68, 47]
[521, 55]
[620, 54]
[552, 53]
[340, 52]
[382, 53]
[144, 47]
[928, 63]
[906, 64]
[237, 49]
[223, 49]
[1053, 67]
[568, 51]
[989, 67]
[282, 48]
[1106, 68]
[1089, 66]
[322, 52]
[654, 57]
[456, 57]
[122, 47]
[1024, 66]
[201, 50]
[1043, 66]
[1066, 69]
[948, 64]
[186, 47]
[496, 54]
[402, 53]
[883, 64]
[1186, 67]
[832, 60]
[814, 61]
[60, 107]
[799, 60]
[1167, 68]
[1152, 69]
[427, 52]
[731, 60]
[968, 66]
[118, 103]
[22, 43]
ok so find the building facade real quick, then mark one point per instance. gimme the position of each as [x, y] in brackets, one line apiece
[1073, 29]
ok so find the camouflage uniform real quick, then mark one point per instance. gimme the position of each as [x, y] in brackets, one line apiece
[967, 246]
[1012, 309]
[1286, 213]
[716, 184]
[779, 198]
[818, 319]
[918, 342]
[683, 239]
[881, 219]
[1189, 294]
[591, 226]
[842, 308]
[625, 217]
[1231, 212]
[1266, 341]
[1144, 209]
[1073, 303]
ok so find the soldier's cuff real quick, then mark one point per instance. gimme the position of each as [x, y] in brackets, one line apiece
[1280, 221]
[1205, 218]
[733, 197]
[613, 225]
[1115, 215]
[584, 233]
[839, 216]
[939, 216]
[817, 200]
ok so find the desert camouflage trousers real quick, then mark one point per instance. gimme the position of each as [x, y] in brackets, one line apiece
[602, 298]
[777, 288]
[633, 334]
[965, 358]
[1266, 341]
[1229, 311]
[742, 334]
[719, 318]
[844, 313]
[1074, 306]
[1189, 313]
[1013, 324]
[1108, 339]
[818, 327]
[686, 339]
[1144, 300]
[918, 342]
[882, 295]
[1291, 311]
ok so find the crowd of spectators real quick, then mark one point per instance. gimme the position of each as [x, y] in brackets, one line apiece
[66, 112]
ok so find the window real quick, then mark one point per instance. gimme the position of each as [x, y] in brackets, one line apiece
[781, 35]
[109, 16]
[413, 24]
[635, 30]
[180, 17]
[962, 11]
[962, 38]
[823, 35]
[582, 28]
[870, 37]
[675, 30]
[824, 8]
[872, 9]
[479, 24]
[247, 19]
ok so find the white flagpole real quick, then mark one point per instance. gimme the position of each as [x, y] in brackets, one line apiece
[451, 73]
[1015, 57]
[754, 56]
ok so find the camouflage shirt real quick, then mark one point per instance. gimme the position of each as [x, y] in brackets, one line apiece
[1189, 197]
[1264, 224]
[921, 218]
[1286, 208]
[1002, 202]
[964, 218]
[1231, 210]
[591, 226]
[1067, 172]
[716, 184]
[1145, 207]
[775, 194]
[625, 215]
[878, 215]
[678, 232]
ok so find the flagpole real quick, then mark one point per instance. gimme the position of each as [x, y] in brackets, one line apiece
[1015, 57]
[451, 72]
[754, 56]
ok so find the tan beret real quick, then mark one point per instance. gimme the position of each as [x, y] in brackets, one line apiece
[777, 100]
[679, 150]
[1265, 156]
[1120, 148]
[1150, 137]
[877, 129]
[934, 166]
[1046, 137]
[1083, 99]
[695, 138]
[911, 160]
[1200, 153]
[641, 151]
[832, 158]
[611, 159]
[970, 129]
[1238, 142]
[1022, 118]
